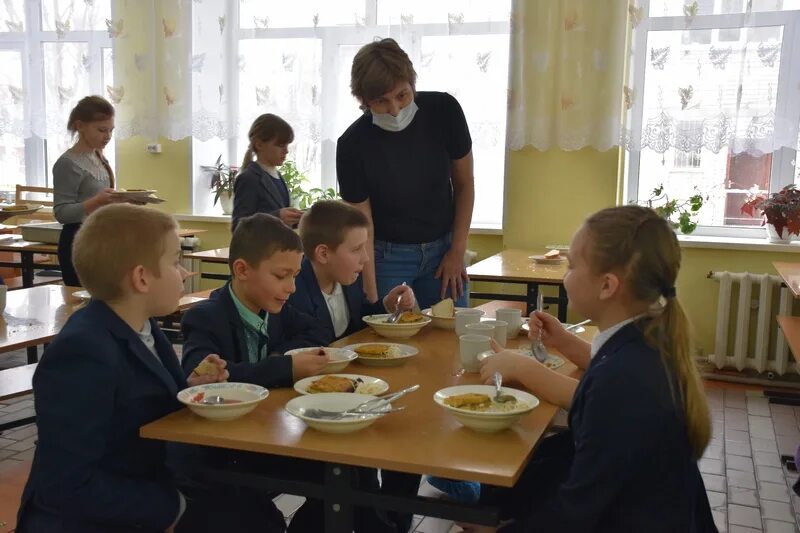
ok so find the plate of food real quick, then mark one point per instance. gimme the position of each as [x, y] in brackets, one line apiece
[134, 192]
[553, 361]
[382, 354]
[18, 209]
[341, 383]
[302, 407]
[553, 257]
[222, 401]
[408, 325]
[474, 406]
[338, 358]
[443, 314]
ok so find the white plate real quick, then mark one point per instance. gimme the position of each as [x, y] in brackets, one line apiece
[378, 385]
[406, 352]
[443, 322]
[29, 208]
[249, 395]
[82, 295]
[143, 192]
[149, 199]
[339, 358]
[332, 401]
[397, 330]
[542, 260]
[553, 361]
[486, 422]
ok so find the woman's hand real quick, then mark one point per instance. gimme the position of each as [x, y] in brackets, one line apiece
[290, 216]
[453, 274]
[103, 197]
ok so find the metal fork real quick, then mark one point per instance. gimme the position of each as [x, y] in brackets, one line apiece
[537, 347]
[394, 317]
[338, 415]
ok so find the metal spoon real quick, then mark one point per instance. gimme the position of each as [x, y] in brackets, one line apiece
[537, 347]
[394, 317]
[213, 400]
[498, 397]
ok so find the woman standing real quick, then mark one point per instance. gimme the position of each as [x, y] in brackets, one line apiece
[82, 178]
[407, 164]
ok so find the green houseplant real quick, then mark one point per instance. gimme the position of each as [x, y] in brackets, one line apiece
[295, 180]
[780, 212]
[681, 214]
[222, 178]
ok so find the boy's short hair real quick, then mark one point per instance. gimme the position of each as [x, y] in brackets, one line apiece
[258, 237]
[327, 222]
[113, 241]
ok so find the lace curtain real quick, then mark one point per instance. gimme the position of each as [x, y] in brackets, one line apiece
[566, 81]
[713, 75]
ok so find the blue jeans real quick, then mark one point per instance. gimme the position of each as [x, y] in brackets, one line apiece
[415, 264]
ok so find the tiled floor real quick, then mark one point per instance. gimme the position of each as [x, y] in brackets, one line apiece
[748, 487]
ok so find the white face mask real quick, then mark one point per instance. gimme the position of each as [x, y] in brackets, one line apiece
[386, 121]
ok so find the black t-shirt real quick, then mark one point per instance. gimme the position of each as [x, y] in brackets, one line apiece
[406, 174]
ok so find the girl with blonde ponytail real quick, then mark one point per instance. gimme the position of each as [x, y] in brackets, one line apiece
[259, 187]
[638, 418]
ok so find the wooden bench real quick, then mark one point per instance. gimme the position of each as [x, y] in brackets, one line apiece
[13, 476]
[15, 382]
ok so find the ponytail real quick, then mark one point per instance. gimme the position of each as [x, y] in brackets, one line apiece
[248, 157]
[669, 332]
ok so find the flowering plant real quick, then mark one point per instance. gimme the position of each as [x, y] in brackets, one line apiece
[781, 209]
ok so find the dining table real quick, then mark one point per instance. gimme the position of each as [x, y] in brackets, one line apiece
[422, 439]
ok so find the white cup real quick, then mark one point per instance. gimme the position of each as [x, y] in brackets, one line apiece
[3, 290]
[480, 328]
[467, 316]
[500, 332]
[469, 346]
[514, 319]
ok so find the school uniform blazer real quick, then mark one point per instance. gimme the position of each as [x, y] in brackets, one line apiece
[214, 326]
[308, 298]
[254, 191]
[632, 469]
[96, 385]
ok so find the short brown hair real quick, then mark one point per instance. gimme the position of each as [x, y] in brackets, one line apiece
[258, 237]
[90, 109]
[327, 222]
[266, 128]
[113, 241]
[377, 68]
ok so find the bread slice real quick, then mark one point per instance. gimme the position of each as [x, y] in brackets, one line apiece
[552, 254]
[409, 317]
[205, 368]
[470, 399]
[332, 384]
[444, 309]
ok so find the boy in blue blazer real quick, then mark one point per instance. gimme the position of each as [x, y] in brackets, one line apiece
[329, 286]
[248, 322]
[110, 371]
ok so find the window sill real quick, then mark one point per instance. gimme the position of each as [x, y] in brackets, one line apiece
[736, 243]
[479, 229]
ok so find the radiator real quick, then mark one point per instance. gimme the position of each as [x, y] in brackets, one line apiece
[748, 353]
[192, 283]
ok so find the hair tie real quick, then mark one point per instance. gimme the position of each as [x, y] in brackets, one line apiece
[668, 292]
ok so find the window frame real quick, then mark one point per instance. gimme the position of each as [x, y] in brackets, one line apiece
[29, 43]
[782, 171]
[332, 37]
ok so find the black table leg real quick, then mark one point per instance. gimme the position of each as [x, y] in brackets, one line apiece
[27, 268]
[33, 354]
[562, 304]
[338, 516]
[533, 297]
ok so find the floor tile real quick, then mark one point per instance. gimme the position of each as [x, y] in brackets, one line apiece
[770, 473]
[737, 478]
[742, 496]
[734, 434]
[712, 466]
[758, 406]
[717, 499]
[763, 445]
[738, 448]
[720, 520]
[744, 516]
[713, 452]
[716, 483]
[761, 426]
[289, 503]
[777, 408]
[23, 445]
[767, 459]
[742, 529]
[773, 491]
[777, 511]
[20, 433]
[738, 462]
[773, 526]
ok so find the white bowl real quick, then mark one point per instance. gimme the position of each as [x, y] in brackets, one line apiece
[486, 422]
[249, 397]
[553, 361]
[397, 330]
[332, 401]
[405, 350]
[376, 386]
[339, 358]
[443, 322]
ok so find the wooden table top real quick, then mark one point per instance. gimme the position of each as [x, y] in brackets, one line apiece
[423, 439]
[35, 315]
[19, 244]
[515, 265]
[790, 272]
[218, 255]
[791, 330]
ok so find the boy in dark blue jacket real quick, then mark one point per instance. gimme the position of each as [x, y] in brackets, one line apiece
[248, 322]
[108, 372]
[329, 286]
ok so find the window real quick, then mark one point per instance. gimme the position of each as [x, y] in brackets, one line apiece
[295, 62]
[718, 109]
[52, 54]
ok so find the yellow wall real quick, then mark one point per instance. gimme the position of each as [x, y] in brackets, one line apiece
[548, 194]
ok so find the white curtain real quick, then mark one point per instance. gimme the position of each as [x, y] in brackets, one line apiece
[568, 60]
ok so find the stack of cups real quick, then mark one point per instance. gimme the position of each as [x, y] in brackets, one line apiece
[497, 329]
[514, 319]
[467, 316]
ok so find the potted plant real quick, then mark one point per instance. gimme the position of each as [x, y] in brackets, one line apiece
[679, 213]
[780, 212]
[302, 198]
[222, 178]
